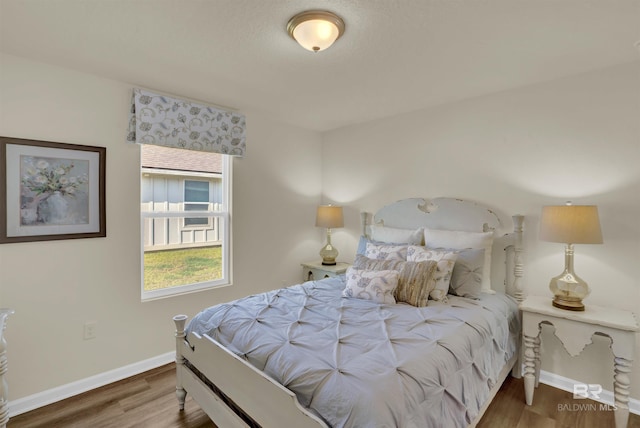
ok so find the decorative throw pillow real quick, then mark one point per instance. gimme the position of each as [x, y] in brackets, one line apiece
[386, 251]
[362, 244]
[416, 280]
[460, 240]
[394, 235]
[371, 285]
[466, 279]
[445, 260]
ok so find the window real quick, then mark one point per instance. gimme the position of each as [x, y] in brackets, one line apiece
[185, 217]
[196, 198]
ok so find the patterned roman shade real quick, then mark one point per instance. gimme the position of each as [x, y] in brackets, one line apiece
[172, 122]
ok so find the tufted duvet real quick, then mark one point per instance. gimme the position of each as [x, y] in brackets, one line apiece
[361, 364]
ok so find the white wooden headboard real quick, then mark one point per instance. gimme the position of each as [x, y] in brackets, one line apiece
[456, 214]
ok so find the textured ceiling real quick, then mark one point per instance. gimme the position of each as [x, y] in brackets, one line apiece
[395, 56]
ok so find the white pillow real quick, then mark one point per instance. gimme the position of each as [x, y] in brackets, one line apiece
[460, 240]
[394, 235]
[376, 285]
[445, 260]
[386, 251]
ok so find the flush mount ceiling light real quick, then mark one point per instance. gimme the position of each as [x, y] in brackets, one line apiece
[315, 30]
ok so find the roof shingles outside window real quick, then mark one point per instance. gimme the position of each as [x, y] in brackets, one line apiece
[160, 157]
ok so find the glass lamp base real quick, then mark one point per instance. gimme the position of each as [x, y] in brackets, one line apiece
[329, 255]
[568, 288]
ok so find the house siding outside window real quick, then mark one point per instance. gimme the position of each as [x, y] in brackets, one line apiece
[176, 182]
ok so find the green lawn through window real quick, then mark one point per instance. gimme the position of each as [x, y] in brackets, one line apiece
[170, 268]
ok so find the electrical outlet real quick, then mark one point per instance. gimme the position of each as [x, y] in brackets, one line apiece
[90, 330]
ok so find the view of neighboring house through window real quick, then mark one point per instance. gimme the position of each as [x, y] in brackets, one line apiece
[185, 217]
[196, 198]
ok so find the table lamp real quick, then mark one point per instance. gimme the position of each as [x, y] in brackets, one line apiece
[329, 216]
[570, 224]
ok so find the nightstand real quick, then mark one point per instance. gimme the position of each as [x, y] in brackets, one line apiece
[316, 270]
[574, 329]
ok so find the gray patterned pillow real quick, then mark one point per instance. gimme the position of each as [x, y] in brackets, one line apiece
[362, 244]
[386, 251]
[466, 279]
[415, 281]
[371, 285]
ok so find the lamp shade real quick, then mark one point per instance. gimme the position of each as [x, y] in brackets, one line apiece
[315, 30]
[329, 216]
[570, 224]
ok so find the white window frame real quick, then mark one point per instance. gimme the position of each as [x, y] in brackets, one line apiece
[225, 237]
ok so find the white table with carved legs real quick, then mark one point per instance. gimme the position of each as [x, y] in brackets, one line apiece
[575, 329]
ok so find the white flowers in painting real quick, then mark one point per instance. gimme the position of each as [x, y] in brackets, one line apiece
[53, 191]
[48, 176]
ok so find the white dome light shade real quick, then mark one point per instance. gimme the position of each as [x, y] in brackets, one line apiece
[315, 30]
[315, 35]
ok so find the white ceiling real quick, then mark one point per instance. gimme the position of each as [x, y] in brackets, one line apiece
[395, 56]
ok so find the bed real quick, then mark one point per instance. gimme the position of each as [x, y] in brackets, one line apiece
[318, 355]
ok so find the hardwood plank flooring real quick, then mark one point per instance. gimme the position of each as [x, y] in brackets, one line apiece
[551, 408]
[148, 400]
[144, 400]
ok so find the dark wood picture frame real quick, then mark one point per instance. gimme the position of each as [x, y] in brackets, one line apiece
[51, 191]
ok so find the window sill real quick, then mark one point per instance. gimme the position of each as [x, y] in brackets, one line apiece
[148, 296]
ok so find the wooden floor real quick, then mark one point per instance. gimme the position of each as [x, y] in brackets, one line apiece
[145, 400]
[148, 400]
[551, 408]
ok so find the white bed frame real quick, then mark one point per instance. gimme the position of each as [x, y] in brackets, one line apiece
[269, 404]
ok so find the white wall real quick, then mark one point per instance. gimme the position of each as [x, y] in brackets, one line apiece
[576, 138]
[56, 286]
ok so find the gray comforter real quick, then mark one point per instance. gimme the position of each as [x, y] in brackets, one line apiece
[361, 364]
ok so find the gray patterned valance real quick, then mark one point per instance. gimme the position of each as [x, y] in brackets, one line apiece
[172, 122]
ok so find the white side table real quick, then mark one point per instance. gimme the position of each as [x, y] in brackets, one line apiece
[575, 329]
[316, 270]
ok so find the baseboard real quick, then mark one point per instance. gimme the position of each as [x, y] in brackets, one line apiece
[31, 402]
[567, 384]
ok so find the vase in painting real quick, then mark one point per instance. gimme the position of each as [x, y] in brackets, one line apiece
[54, 209]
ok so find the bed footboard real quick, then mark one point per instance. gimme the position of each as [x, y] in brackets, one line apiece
[180, 321]
[264, 400]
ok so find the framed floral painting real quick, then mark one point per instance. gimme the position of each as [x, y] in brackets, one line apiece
[51, 191]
